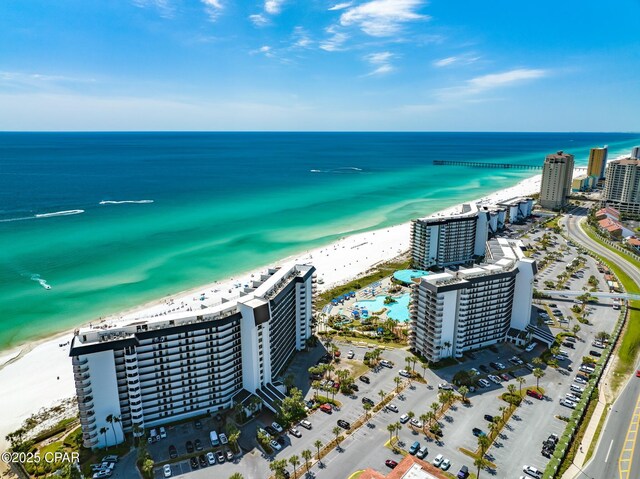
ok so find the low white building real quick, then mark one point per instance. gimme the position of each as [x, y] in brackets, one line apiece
[453, 312]
[158, 370]
[518, 209]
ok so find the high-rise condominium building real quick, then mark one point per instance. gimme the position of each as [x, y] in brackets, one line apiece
[635, 153]
[597, 162]
[167, 368]
[449, 239]
[622, 186]
[556, 180]
[453, 312]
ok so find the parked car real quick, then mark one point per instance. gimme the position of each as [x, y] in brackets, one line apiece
[415, 447]
[194, 463]
[229, 455]
[173, 452]
[445, 386]
[463, 473]
[422, 452]
[504, 377]
[438, 460]
[211, 459]
[166, 470]
[198, 424]
[295, 432]
[189, 446]
[494, 379]
[483, 383]
[404, 418]
[580, 380]
[488, 417]
[276, 426]
[390, 463]
[326, 407]
[415, 422]
[531, 347]
[392, 407]
[494, 365]
[534, 394]
[478, 432]
[446, 464]
[595, 354]
[532, 471]
[198, 444]
[483, 368]
[202, 460]
[344, 424]
[568, 403]
[220, 457]
[350, 354]
[365, 379]
[366, 400]
[306, 424]
[404, 373]
[385, 363]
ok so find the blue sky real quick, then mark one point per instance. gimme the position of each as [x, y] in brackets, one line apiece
[319, 65]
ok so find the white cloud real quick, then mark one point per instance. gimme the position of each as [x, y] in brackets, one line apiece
[336, 41]
[273, 7]
[491, 81]
[382, 62]
[301, 38]
[381, 18]
[259, 19]
[341, 6]
[465, 59]
[164, 7]
[213, 8]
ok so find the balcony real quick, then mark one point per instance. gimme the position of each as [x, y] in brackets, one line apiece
[85, 406]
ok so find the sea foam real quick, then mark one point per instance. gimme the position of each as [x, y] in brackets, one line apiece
[59, 213]
[122, 202]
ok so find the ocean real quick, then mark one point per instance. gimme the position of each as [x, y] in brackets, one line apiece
[94, 223]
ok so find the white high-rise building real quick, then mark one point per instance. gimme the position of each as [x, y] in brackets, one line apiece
[454, 312]
[622, 186]
[449, 239]
[164, 369]
[557, 174]
[635, 153]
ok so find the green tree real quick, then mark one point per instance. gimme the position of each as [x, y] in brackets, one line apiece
[391, 428]
[294, 461]
[109, 420]
[278, 467]
[434, 407]
[367, 407]
[147, 467]
[483, 444]
[538, 374]
[236, 475]
[435, 428]
[521, 381]
[292, 407]
[306, 455]
[576, 329]
[537, 361]
[398, 381]
[512, 389]
[463, 390]
[480, 463]
[382, 394]
[336, 430]
[103, 430]
[318, 444]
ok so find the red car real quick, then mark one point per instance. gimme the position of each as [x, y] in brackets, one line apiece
[390, 463]
[326, 407]
[337, 354]
[534, 394]
[638, 373]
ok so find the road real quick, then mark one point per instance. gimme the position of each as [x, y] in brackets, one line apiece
[616, 455]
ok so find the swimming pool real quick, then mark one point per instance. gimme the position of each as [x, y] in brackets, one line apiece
[398, 310]
[406, 275]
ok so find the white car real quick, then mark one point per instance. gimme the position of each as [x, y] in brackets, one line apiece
[166, 469]
[416, 423]
[438, 460]
[483, 383]
[446, 464]
[572, 397]
[404, 373]
[223, 438]
[274, 445]
[531, 347]
[386, 364]
[580, 380]
[277, 426]
[494, 379]
[211, 459]
[350, 354]
[306, 424]
[392, 407]
[294, 431]
[404, 418]
[163, 432]
[474, 371]
[445, 386]
[568, 403]
[532, 471]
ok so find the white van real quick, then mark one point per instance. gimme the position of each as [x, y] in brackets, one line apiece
[213, 436]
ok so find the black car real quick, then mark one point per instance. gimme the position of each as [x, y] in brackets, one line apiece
[366, 400]
[344, 424]
[173, 452]
[484, 369]
[194, 463]
[202, 460]
[354, 387]
[315, 377]
[280, 440]
[478, 432]
[570, 339]
[488, 417]
[198, 444]
[596, 354]
[568, 345]
[189, 446]
[271, 431]
[198, 424]
[365, 379]
[494, 366]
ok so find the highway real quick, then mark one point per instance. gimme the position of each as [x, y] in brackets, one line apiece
[616, 455]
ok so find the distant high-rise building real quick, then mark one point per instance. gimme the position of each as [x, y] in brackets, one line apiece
[635, 152]
[556, 180]
[622, 186]
[597, 162]
[446, 240]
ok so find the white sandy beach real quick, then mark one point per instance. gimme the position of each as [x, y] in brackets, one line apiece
[39, 374]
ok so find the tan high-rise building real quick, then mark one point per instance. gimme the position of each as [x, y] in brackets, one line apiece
[622, 187]
[556, 180]
[597, 162]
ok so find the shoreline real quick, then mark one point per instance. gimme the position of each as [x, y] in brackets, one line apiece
[35, 375]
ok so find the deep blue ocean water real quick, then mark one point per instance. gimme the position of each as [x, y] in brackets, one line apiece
[210, 205]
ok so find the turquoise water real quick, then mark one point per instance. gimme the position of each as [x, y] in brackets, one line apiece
[406, 275]
[398, 310]
[212, 205]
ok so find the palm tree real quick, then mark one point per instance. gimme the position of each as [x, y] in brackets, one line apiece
[109, 420]
[116, 420]
[294, 461]
[447, 345]
[103, 430]
[480, 463]
[434, 407]
[502, 410]
[436, 428]
[521, 381]
[398, 381]
[463, 390]
[336, 430]
[483, 444]
[424, 365]
[411, 415]
[391, 428]
[278, 467]
[306, 455]
[430, 417]
[537, 361]
[367, 407]
[512, 389]
[424, 418]
[398, 429]
[408, 361]
[538, 373]
[316, 387]
[493, 427]
[318, 444]
[382, 394]
[576, 329]
[236, 475]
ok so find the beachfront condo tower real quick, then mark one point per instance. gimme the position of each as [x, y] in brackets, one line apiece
[457, 311]
[449, 239]
[163, 369]
[622, 186]
[597, 163]
[556, 180]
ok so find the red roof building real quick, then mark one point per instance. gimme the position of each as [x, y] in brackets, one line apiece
[612, 227]
[409, 468]
[608, 212]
